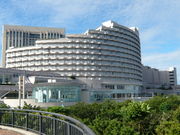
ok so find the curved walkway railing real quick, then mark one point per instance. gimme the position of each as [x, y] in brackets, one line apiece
[43, 123]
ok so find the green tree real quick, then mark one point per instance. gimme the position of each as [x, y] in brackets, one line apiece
[155, 102]
[168, 128]
[170, 103]
[128, 118]
[116, 127]
[135, 111]
[59, 109]
[86, 112]
[2, 105]
[31, 107]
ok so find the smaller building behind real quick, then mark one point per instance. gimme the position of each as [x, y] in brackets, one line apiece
[154, 78]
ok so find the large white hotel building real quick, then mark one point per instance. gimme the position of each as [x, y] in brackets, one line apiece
[109, 54]
[107, 59]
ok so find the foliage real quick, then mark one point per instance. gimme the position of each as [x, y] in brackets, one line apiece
[150, 117]
[168, 128]
[2, 105]
[59, 109]
[31, 107]
[164, 103]
[176, 115]
[170, 103]
[135, 111]
[157, 116]
[86, 112]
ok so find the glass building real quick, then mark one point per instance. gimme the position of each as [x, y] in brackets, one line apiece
[57, 93]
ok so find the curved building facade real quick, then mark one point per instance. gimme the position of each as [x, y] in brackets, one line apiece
[109, 54]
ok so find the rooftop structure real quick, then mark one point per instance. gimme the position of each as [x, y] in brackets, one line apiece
[21, 36]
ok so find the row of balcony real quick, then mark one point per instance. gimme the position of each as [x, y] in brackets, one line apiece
[99, 61]
[104, 41]
[62, 61]
[112, 31]
[95, 52]
[81, 62]
[84, 56]
[115, 35]
[45, 49]
[76, 69]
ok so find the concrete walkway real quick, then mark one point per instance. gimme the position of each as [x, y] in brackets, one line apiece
[18, 130]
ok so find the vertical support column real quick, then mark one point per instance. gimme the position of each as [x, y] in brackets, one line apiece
[19, 39]
[116, 96]
[59, 95]
[125, 94]
[20, 91]
[8, 40]
[23, 87]
[27, 120]
[132, 95]
[3, 79]
[12, 118]
[40, 124]
[27, 39]
[53, 35]
[68, 129]
[47, 97]
[15, 39]
[56, 35]
[12, 39]
[54, 126]
[22, 42]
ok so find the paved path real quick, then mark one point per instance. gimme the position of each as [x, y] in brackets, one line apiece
[5, 130]
[8, 132]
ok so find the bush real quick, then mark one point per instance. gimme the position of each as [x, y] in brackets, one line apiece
[2, 105]
[168, 128]
[31, 107]
[157, 116]
[135, 111]
[59, 109]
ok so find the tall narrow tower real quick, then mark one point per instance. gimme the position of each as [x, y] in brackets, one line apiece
[23, 36]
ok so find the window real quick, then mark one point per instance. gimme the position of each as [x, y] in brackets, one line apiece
[108, 86]
[120, 86]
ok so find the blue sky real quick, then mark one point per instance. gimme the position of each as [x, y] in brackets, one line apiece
[158, 21]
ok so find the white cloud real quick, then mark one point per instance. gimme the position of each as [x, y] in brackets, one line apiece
[149, 37]
[158, 21]
[159, 24]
